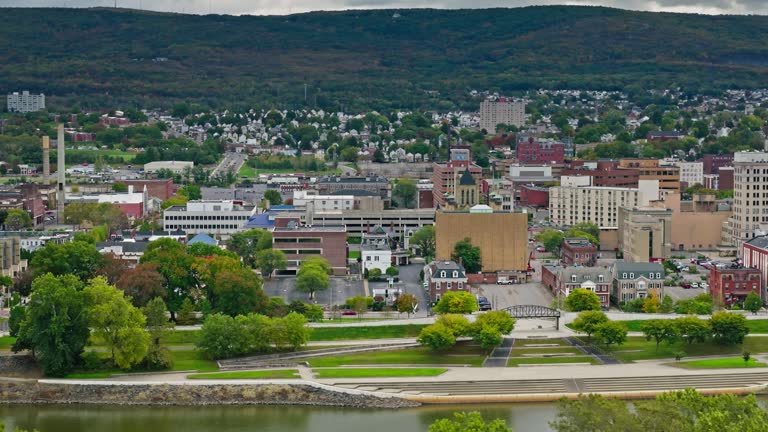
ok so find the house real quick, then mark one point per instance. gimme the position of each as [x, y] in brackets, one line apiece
[578, 251]
[444, 276]
[633, 280]
[563, 280]
[129, 250]
[732, 285]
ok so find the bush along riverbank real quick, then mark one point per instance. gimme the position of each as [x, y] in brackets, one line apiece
[33, 392]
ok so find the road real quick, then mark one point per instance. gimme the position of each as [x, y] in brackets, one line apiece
[232, 161]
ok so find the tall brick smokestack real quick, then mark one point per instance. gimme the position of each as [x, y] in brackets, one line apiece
[46, 161]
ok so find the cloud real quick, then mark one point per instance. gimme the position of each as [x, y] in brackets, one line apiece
[272, 7]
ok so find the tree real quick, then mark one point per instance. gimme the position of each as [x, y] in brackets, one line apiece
[17, 220]
[588, 321]
[651, 304]
[55, 328]
[374, 274]
[236, 292]
[112, 267]
[424, 239]
[406, 303]
[290, 331]
[311, 278]
[457, 324]
[186, 315]
[175, 265]
[378, 156]
[611, 332]
[593, 413]
[269, 260]
[17, 315]
[551, 239]
[582, 299]
[116, 322]
[692, 329]
[76, 258]
[488, 329]
[667, 304]
[465, 422]
[392, 271]
[358, 304]
[313, 312]
[753, 303]
[349, 154]
[142, 283]
[248, 243]
[728, 328]
[458, 302]
[119, 187]
[273, 197]
[221, 337]
[660, 330]
[405, 192]
[437, 337]
[469, 256]
[158, 327]
[22, 283]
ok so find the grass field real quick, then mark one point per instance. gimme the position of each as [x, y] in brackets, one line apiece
[93, 154]
[182, 361]
[182, 337]
[354, 254]
[377, 332]
[262, 374]
[6, 342]
[755, 326]
[523, 343]
[377, 372]
[646, 350]
[459, 355]
[724, 363]
[558, 349]
[246, 171]
[516, 361]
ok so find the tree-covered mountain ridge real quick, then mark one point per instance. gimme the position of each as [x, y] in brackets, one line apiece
[370, 58]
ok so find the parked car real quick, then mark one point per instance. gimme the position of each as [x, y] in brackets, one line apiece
[704, 285]
[503, 282]
[540, 249]
[348, 312]
[694, 285]
[685, 285]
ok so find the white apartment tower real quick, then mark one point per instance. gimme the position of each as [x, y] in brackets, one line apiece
[494, 112]
[25, 102]
[691, 172]
[750, 197]
[575, 201]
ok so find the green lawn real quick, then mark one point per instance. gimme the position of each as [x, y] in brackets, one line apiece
[377, 372]
[93, 154]
[246, 171]
[724, 363]
[522, 343]
[192, 360]
[373, 332]
[646, 350]
[558, 349]
[261, 374]
[6, 342]
[409, 356]
[182, 337]
[755, 326]
[354, 254]
[516, 361]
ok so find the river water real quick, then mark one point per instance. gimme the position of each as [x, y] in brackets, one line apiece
[81, 418]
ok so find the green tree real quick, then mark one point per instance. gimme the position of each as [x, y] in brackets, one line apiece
[311, 277]
[611, 332]
[468, 422]
[186, 313]
[269, 260]
[176, 266]
[76, 258]
[424, 239]
[406, 303]
[119, 187]
[436, 337]
[551, 239]
[405, 192]
[594, 413]
[273, 197]
[117, 323]
[667, 304]
[489, 327]
[313, 312]
[17, 219]
[55, 327]
[16, 317]
[728, 328]
[158, 326]
[692, 329]
[221, 337]
[457, 324]
[392, 271]
[236, 291]
[469, 256]
[588, 321]
[660, 330]
[248, 243]
[456, 302]
[349, 154]
[753, 303]
[290, 331]
[582, 299]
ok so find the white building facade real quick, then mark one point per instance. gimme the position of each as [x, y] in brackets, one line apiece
[25, 102]
[691, 172]
[494, 112]
[210, 217]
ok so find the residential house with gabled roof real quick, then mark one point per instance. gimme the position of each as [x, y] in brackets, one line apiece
[637, 280]
[563, 280]
[444, 276]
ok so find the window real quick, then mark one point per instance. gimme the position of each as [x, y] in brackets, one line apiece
[448, 285]
[600, 278]
[455, 274]
[573, 278]
[442, 274]
[658, 275]
[623, 275]
[631, 275]
[368, 258]
[461, 285]
[376, 258]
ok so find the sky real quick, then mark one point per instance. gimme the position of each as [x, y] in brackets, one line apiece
[281, 7]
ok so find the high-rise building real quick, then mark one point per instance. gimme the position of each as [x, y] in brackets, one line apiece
[750, 197]
[25, 102]
[576, 201]
[502, 110]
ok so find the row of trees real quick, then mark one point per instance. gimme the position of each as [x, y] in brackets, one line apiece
[64, 312]
[487, 330]
[596, 323]
[552, 239]
[723, 328]
[223, 336]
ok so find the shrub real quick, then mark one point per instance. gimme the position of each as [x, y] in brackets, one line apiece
[437, 337]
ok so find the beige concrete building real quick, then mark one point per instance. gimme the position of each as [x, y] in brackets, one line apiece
[494, 112]
[501, 236]
[645, 233]
[750, 197]
[576, 201]
[696, 223]
[668, 176]
[11, 263]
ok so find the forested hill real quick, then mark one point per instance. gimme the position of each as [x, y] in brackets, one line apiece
[369, 59]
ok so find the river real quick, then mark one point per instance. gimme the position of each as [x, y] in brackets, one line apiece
[91, 418]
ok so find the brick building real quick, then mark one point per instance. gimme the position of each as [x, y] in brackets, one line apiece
[731, 286]
[754, 254]
[301, 242]
[446, 177]
[652, 169]
[712, 163]
[578, 251]
[604, 173]
[534, 196]
[161, 188]
[537, 153]
[444, 276]
[563, 280]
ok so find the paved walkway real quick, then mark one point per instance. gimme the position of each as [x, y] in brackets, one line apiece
[500, 355]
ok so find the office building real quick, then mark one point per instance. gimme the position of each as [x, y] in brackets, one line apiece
[645, 233]
[578, 252]
[301, 242]
[212, 217]
[25, 102]
[750, 197]
[501, 111]
[561, 281]
[652, 169]
[637, 280]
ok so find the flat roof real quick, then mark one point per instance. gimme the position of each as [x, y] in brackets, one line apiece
[325, 228]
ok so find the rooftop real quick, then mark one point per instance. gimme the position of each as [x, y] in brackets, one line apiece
[306, 228]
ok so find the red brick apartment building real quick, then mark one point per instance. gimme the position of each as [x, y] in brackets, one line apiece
[731, 286]
[301, 242]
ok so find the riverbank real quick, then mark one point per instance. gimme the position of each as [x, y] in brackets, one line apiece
[36, 392]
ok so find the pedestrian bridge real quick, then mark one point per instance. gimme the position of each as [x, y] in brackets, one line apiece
[534, 311]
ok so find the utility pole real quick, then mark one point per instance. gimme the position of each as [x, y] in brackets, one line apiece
[305, 93]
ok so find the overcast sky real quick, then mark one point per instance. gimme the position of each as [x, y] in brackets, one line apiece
[273, 7]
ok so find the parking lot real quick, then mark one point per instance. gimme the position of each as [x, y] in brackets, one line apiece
[340, 289]
[502, 296]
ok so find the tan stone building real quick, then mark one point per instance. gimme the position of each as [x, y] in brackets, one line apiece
[696, 223]
[652, 169]
[501, 236]
[645, 233]
[750, 197]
